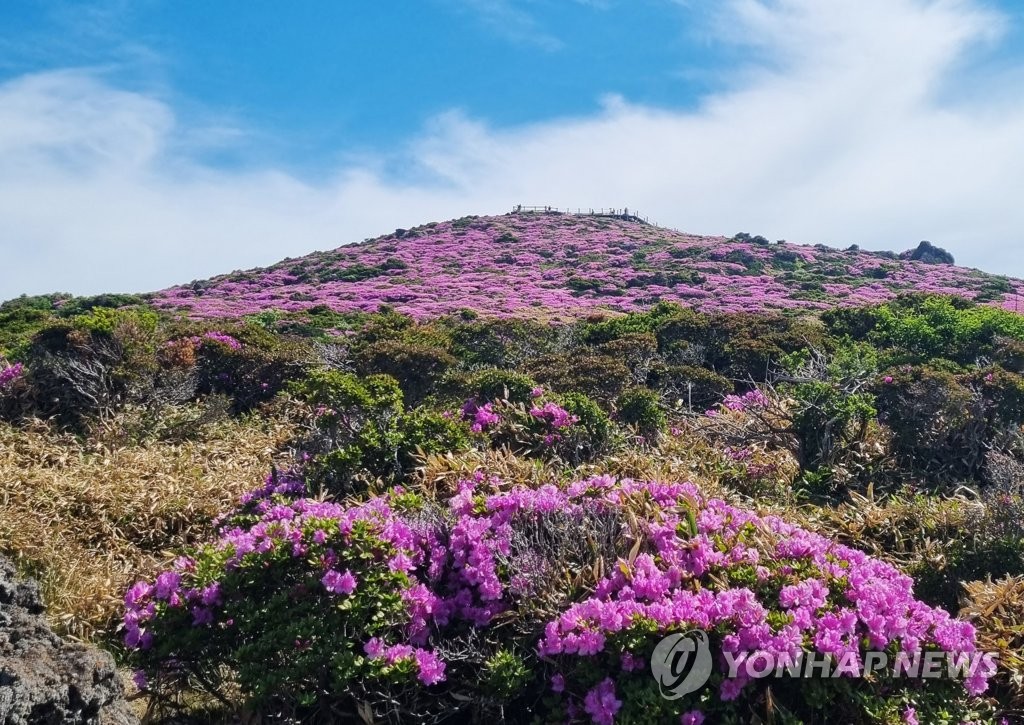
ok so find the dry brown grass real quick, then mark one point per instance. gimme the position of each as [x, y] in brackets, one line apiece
[675, 460]
[904, 530]
[997, 610]
[87, 518]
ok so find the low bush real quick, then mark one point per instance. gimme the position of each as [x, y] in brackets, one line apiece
[640, 408]
[360, 433]
[939, 424]
[600, 377]
[637, 350]
[689, 387]
[493, 384]
[502, 343]
[409, 608]
[571, 428]
[416, 367]
[249, 365]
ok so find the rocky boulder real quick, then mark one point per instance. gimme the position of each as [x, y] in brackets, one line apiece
[45, 679]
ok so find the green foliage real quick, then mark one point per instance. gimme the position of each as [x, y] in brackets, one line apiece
[425, 432]
[939, 425]
[641, 409]
[747, 346]
[83, 305]
[918, 328]
[633, 323]
[827, 420]
[346, 395]
[18, 325]
[601, 377]
[501, 343]
[416, 367]
[591, 436]
[506, 674]
[383, 326]
[492, 384]
[363, 434]
[290, 640]
[252, 373]
[637, 350]
[689, 387]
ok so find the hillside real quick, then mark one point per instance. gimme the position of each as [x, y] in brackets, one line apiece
[288, 504]
[559, 266]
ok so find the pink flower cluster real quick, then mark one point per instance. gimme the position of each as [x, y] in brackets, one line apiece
[554, 415]
[429, 666]
[483, 416]
[458, 565]
[562, 267]
[848, 599]
[10, 373]
[752, 399]
[215, 336]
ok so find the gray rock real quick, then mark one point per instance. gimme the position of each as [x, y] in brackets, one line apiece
[44, 679]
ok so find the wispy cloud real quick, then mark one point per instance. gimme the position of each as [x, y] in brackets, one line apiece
[511, 21]
[849, 123]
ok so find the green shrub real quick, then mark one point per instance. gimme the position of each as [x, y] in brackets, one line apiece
[362, 434]
[492, 384]
[416, 367]
[1003, 393]
[637, 350]
[939, 425]
[18, 325]
[426, 432]
[501, 343]
[640, 408]
[591, 436]
[633, 323]
[355, 436]
[827, 421]
[918, 328]
[254, 372]
[83, 305]
[690, 387]
[91, 365]
[1009, 353]
[601, 377]
[747, 346]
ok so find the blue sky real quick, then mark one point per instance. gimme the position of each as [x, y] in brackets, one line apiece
[149, 142]
[316, 81]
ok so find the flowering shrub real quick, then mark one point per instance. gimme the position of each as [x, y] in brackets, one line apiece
[751, 399]
[554, 415]
[13, 391]
[567, 266]
[10, 374]
[414, 607]
[217, 337]
[481, 417]
[570, 427]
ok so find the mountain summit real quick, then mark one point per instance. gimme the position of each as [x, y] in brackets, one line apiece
[560, 266]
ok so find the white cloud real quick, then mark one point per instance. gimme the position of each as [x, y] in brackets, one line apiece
[511, 22]
[840, 130]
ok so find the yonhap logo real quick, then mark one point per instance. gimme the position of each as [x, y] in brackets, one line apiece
[681, 663]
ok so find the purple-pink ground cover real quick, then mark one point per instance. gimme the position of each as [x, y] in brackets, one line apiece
[559, 267]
